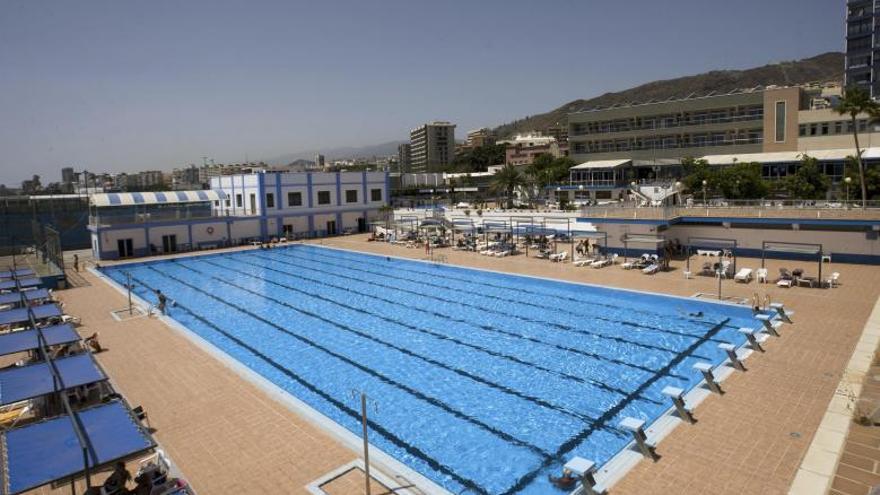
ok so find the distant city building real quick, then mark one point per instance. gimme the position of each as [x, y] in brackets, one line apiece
[320, 162]
[524, 148]
[404, 158]
[560, 132]
[67, 175]
[759, 120]
[861, 65]
[32, 185]
[480, 137]
[432, 146]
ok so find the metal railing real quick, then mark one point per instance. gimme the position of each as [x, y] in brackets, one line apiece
[830, 210]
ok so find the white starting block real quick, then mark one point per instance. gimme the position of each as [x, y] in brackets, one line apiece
[677, 396]
[730, 350]
[706, 370]
[784, 314]
[584, 469]
[637, 428]
[770, 326]
[755, 339]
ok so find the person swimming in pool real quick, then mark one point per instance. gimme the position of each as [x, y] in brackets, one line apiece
[566, 481]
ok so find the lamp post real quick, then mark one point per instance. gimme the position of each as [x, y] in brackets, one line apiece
[847, 181]
[705, 183]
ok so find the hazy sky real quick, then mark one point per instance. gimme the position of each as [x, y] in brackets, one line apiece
[124, 85]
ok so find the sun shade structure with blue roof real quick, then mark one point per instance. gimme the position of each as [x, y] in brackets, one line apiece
[18, 273]
[35, 380]
[48, 451]
[23, 283]
[20, 315]
[27, 340]
[30, 295]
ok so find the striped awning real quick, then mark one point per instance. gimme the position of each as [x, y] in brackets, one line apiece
[153, 198]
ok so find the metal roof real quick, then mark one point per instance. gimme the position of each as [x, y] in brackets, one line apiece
[601, 164]
[153, 198]
[790, 156]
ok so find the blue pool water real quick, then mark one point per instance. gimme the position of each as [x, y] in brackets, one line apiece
[484, 382]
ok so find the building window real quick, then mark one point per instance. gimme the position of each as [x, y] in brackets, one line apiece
[323, 197]
[824, 128]
[217, 203]
[270, 200]
[351, 196]
[802, 131]
[375, 195]
[227, 202]
[838, 127]
[780, 121]
[238, 200]
[294, 199]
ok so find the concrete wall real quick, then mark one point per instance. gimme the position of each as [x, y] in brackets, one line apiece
[843, 246]
[792, 98]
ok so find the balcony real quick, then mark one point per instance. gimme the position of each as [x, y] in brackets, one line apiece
[807, 210]
[666, 124]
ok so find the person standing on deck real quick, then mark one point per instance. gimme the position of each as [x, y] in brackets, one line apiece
[76, 263]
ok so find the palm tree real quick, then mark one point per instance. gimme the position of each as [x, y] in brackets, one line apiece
[857, 101]
[507, 180]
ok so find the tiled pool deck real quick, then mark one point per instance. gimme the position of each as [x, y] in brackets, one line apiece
[228, 436]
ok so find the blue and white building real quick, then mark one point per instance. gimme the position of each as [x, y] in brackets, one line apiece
[237, 209]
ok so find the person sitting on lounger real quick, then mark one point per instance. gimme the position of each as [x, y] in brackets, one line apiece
[566, 481]
[92, 343]
[118, 479]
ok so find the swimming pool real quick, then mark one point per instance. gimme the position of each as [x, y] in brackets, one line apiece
[484, 382]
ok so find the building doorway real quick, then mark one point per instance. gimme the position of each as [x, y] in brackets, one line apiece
[169, 243]
[331, 227]
[125, 248]
[362, 225]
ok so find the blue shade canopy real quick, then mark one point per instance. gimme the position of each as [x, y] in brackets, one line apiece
[30, 295]
[20, 272]
[49, 451]
[24, 283]
[20, 315]
[26, 340]
[34, 380]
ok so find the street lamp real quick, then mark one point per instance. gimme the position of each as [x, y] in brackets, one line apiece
[705, 183]
[847, 181]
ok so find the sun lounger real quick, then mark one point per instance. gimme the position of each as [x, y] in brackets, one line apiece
[833, 280]
[601, 263]
[651, 269]
[559, 257]
[784, 282]
[578, 261]
[744, 275]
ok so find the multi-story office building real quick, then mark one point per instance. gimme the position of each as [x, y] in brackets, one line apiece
[432, 146]
[753, 121]
[67, 175]
[320, 162]
[404, 158]
[861, 48]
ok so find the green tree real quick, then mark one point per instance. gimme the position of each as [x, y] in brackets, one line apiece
[857, 101]
[809, 182]
[742, 181]
[695, 172]
[547, 170]
[872, 177]
[506, 181]
[478, 159]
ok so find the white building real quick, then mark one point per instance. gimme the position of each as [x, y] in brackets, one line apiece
[237, 209]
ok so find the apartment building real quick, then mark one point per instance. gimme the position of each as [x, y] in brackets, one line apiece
[524, 148]
[404, 158]
[432, 146]
[861, 65]
[480, 137]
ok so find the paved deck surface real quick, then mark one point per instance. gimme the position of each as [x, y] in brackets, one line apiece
[227, 436]
[859, 467]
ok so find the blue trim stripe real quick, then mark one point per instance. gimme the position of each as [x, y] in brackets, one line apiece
[202, 195]
[181, 196]
[338, 188]
[114, 199]
[160, 197]
[137, 197]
